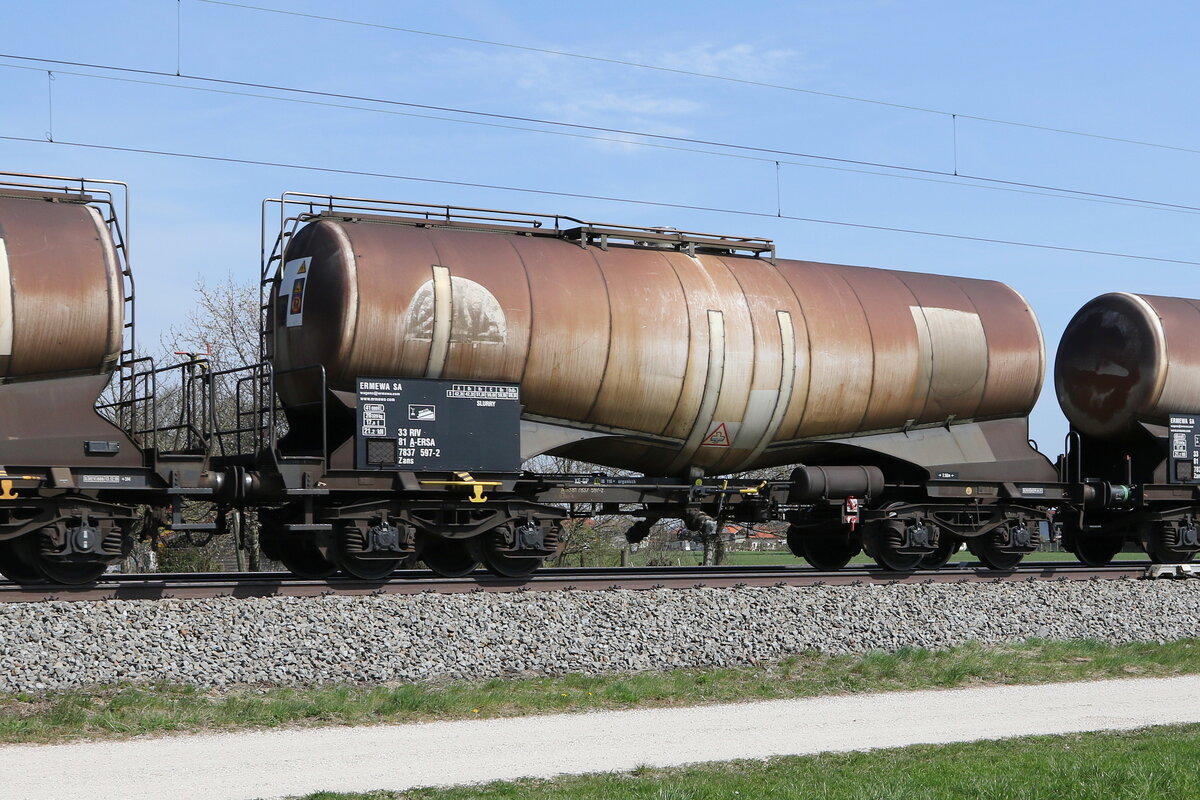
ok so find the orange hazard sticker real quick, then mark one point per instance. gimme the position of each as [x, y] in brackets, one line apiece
[297, 296]
[717, 437]
[292, 285]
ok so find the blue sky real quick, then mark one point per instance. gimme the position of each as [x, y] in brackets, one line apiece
[1117, 70]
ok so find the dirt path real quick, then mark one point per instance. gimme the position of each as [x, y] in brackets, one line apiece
[272, 764]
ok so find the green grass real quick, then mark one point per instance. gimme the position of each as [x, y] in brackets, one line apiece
[125, 711]
[1151, 763]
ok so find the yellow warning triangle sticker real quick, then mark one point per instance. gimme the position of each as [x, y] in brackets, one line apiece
[303, 268]
[717, 437]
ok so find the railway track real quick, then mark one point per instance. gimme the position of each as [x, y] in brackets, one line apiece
[270, 584]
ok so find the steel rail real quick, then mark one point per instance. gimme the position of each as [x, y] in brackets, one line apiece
[271, 584]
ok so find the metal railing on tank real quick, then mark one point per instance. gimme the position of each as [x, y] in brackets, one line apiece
[245, 412]
[297, 208]
[283, 217]
[318, 408]
[1070, 465]
[246, 416]
[165, 409]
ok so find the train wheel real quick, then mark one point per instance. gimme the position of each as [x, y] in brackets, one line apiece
[486, 548]
[827, 552]
[367, 569]
[947, 547]
[352, 542]
[72, 574]
[1156, 539]
[304, 560]
[1097, 549]
[795, 540]
[69, 573]
[296, 551]
[987, 549]
[882, 540]
[16, 567]
[449, 558]
[271, 543]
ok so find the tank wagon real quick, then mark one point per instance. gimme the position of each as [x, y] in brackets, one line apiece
[1127, 377]
[437, 383]
[74, 481]
[671, 355]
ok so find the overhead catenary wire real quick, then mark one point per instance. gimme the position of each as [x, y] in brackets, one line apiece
[924, 174]
[469, 112]
[960, 180]
[178, 37]
[49, 105]
[708, 76]
[603, 198]
[769, 154]
[570, 54]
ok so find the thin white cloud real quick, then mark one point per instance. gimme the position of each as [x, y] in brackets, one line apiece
[583, 93]
[610, 95]
[744, 61]
[641, 105]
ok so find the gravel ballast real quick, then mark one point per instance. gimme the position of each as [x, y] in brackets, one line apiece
[437, 637]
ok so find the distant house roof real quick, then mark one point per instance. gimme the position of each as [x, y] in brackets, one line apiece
[763, 535]
[742, 532]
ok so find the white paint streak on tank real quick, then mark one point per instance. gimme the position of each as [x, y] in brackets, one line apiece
[953, 351]
[713, 387]
[6, 300]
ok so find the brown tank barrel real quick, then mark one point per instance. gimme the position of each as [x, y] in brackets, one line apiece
[1129, 358]
[63, 311]
[702, 360]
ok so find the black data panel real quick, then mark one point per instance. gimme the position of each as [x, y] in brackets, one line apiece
[1185, 448]
[436, 425]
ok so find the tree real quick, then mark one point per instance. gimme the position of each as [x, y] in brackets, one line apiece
[221, 332]
[594, 538]
[661, 545]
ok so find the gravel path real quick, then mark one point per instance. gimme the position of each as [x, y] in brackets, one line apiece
[274, 764]
[340, 639]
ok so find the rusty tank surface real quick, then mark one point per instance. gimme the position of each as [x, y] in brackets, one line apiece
[653, 350]
[63, 311]
[1126, 359]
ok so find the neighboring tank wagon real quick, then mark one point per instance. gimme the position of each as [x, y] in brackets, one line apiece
[1126, 359]
[1127, 375]
[72, 480]
[62, 312]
